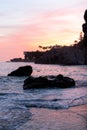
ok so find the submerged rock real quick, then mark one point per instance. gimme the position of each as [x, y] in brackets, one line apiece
[58, 81]
[22, 71]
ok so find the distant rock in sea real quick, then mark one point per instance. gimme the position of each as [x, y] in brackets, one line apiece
[22, 71]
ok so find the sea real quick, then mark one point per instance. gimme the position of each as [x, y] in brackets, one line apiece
[16, 102]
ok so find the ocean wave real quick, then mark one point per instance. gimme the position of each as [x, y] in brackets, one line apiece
[53, 103]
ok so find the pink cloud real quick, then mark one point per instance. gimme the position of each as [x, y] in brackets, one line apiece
[42, 28]
[45, 23]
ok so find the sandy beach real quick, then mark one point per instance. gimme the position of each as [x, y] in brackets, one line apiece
[74, 118]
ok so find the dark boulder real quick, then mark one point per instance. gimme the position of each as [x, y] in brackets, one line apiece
[48, 82]
[22, 71]
[38, 82]
[64, 82]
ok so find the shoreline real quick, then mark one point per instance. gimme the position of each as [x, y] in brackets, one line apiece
[74, 118]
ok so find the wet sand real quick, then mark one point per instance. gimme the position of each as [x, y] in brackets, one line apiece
[74, 118]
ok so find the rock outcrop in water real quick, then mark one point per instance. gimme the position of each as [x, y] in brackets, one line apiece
[22, 71]
[58, 81]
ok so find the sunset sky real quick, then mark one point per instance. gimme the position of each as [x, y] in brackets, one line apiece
[26, 24]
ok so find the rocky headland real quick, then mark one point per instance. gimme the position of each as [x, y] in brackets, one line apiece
[63, 55]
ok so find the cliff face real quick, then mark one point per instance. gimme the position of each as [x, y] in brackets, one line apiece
[74, 55]
[64, 55]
